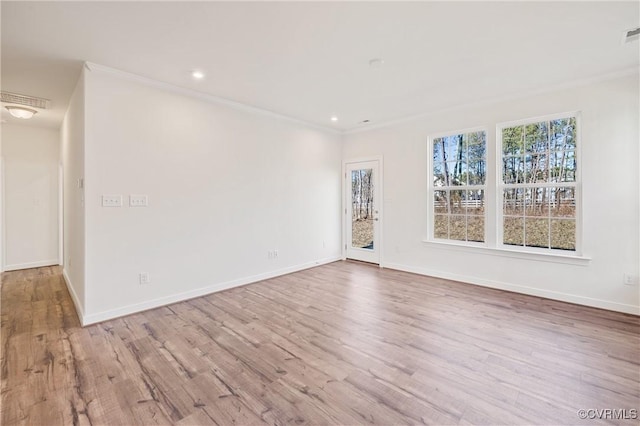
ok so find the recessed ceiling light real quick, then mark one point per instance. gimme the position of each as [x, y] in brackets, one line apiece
[334, 118]
[198, 75]
[376, 62]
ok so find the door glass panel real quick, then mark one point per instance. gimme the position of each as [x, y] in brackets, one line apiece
[362, 210]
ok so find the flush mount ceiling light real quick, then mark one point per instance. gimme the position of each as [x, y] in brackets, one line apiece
[334, 118]
[21, 106]
[21, 112]
[197, 74]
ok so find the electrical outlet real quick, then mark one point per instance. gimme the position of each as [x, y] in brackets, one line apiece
[112, 201]
[628, 279]
[144, 278]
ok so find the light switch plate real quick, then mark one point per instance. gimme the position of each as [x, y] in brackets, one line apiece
[138, 201]
[112, 201]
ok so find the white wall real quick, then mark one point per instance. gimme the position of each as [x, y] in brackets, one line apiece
[72, 136]
[31, 159]
[225, 185]
[610, 196]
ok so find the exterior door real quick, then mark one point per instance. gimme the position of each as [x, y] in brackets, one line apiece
[362, 196]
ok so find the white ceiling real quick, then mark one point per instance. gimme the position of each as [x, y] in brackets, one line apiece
[311, 60]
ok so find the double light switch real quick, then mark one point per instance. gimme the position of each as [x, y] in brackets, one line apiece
[116, 201]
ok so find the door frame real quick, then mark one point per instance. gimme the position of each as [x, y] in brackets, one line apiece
[379, 195]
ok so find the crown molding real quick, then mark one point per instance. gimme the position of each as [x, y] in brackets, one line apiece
[520, 95]
[93, 67]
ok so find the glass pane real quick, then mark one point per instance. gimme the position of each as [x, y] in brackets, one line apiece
[477, 171]
[563, 134]
[476, 138]
[544, 197]
[457, 172]
[536, 232]
[536, 168]
[439, 155]
[536, 139]
[440, 202]
[512, 140]
[476, 156]
[513, 231]
[563, 166]
[447, 175]
[555, 164]
[438, 174]
[475, 202]
[570, 141]
[457, 201]
[513, 202]
[569, 167]
[362, 192]
[536, 202]
[513, 170]
[562, 202]
[563, 234]
[441, 226]
[458, 228]
[475, 228]
[457, 147]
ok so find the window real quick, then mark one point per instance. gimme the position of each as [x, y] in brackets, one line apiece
[534, 202]
[538, 183]
[457, 198]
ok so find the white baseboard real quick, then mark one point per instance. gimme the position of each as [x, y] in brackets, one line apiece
[548, 294]
[74, 296]
[202, 291]
[30, 265]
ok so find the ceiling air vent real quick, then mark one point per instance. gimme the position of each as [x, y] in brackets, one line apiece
[29, 101]
[630, 35]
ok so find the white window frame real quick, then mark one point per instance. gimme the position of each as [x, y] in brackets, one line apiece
[577, 185]
[431, 188]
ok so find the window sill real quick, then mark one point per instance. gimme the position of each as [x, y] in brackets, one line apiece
[554, 257]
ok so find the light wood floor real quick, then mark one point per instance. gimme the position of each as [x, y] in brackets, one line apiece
[345, 343]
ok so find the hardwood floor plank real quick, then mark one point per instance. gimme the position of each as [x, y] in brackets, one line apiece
[345, 343]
